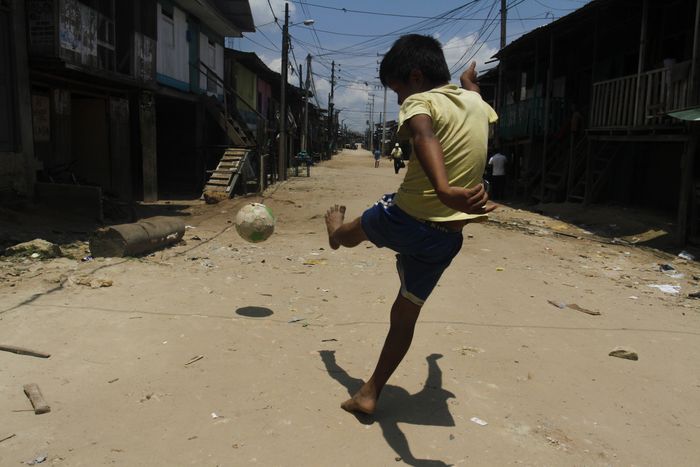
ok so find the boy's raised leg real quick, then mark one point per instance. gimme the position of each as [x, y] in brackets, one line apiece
[340, 233]
[404, 315]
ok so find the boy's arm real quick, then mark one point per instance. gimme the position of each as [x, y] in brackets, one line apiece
[429, 154]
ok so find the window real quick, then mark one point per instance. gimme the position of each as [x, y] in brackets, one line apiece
[212, 54]
[168, 29]
[105, 42]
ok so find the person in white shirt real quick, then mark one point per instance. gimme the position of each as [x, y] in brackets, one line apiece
[498, 164]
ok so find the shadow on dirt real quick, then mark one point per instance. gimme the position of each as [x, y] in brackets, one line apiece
[427, 407]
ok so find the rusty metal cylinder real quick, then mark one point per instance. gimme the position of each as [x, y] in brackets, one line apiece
[138, 238]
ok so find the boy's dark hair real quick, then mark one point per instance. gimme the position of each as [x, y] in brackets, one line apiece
[414, 52]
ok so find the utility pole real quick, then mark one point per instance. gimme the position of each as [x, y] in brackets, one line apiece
[371, 118]
[331, 137]
[305, 131]
[282, 155]
[499, 91]
[384, 124]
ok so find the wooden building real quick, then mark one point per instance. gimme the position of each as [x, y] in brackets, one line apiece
[128, 95]
[585, 103]
[17, 161]
[257, 100]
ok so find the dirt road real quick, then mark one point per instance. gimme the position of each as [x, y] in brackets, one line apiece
[287, 328]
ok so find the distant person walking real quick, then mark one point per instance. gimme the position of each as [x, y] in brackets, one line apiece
[397, 155]
[498, 175]
[377, 156]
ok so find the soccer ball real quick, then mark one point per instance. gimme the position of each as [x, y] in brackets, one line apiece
[255, 222]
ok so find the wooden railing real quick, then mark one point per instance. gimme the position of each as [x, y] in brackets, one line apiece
[621, 103]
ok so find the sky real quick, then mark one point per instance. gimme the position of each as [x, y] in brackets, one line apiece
[354, 34]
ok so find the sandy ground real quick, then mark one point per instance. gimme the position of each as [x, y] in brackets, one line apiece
[287, 328]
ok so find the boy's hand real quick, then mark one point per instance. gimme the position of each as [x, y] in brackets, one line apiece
[468, 78]
[468, 200]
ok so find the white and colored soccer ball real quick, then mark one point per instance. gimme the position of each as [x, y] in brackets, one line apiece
[255, 222]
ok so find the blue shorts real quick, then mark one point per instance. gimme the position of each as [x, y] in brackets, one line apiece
[424, 250]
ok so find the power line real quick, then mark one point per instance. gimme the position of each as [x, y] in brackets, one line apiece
[277, 21]
[365, 12]
[260, 45]
[268, 39]
[553, 8]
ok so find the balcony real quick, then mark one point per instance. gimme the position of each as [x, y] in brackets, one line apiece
[524, 119]
[622, 103]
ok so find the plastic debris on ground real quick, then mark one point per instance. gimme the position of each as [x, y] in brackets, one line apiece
[479, 421]
[686, 255]
[666, 288]
[37, 460]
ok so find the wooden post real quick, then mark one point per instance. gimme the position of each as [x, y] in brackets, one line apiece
[23, 94]
[120, 147]
[694, 85]
[571, 164]
[686, 188]
[147, 119]
[591, 118]
[199, 142]
[587, 198]
[547, 105]
[642, 56]
[36, 398]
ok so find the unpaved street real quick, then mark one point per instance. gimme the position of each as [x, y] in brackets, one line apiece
[288, 328]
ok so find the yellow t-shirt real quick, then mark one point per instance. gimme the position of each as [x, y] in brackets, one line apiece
[461, 124]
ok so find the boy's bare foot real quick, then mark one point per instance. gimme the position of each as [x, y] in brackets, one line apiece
[334, 219]
[364, 401]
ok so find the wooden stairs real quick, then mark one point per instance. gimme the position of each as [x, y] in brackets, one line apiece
[230, 169]
[234, 164]
[589, 183]
[231, 122]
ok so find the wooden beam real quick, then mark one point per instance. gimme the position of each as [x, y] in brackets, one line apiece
[686, 189]
[547, 106]
[640, 138]
[589, 175]
[693, 91]
[642, 56]
[147, 120]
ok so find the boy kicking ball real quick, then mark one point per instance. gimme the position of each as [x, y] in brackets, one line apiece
[440, 194]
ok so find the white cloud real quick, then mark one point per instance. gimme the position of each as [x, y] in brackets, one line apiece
[262, 14]
[455, 48]
[274, 64]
